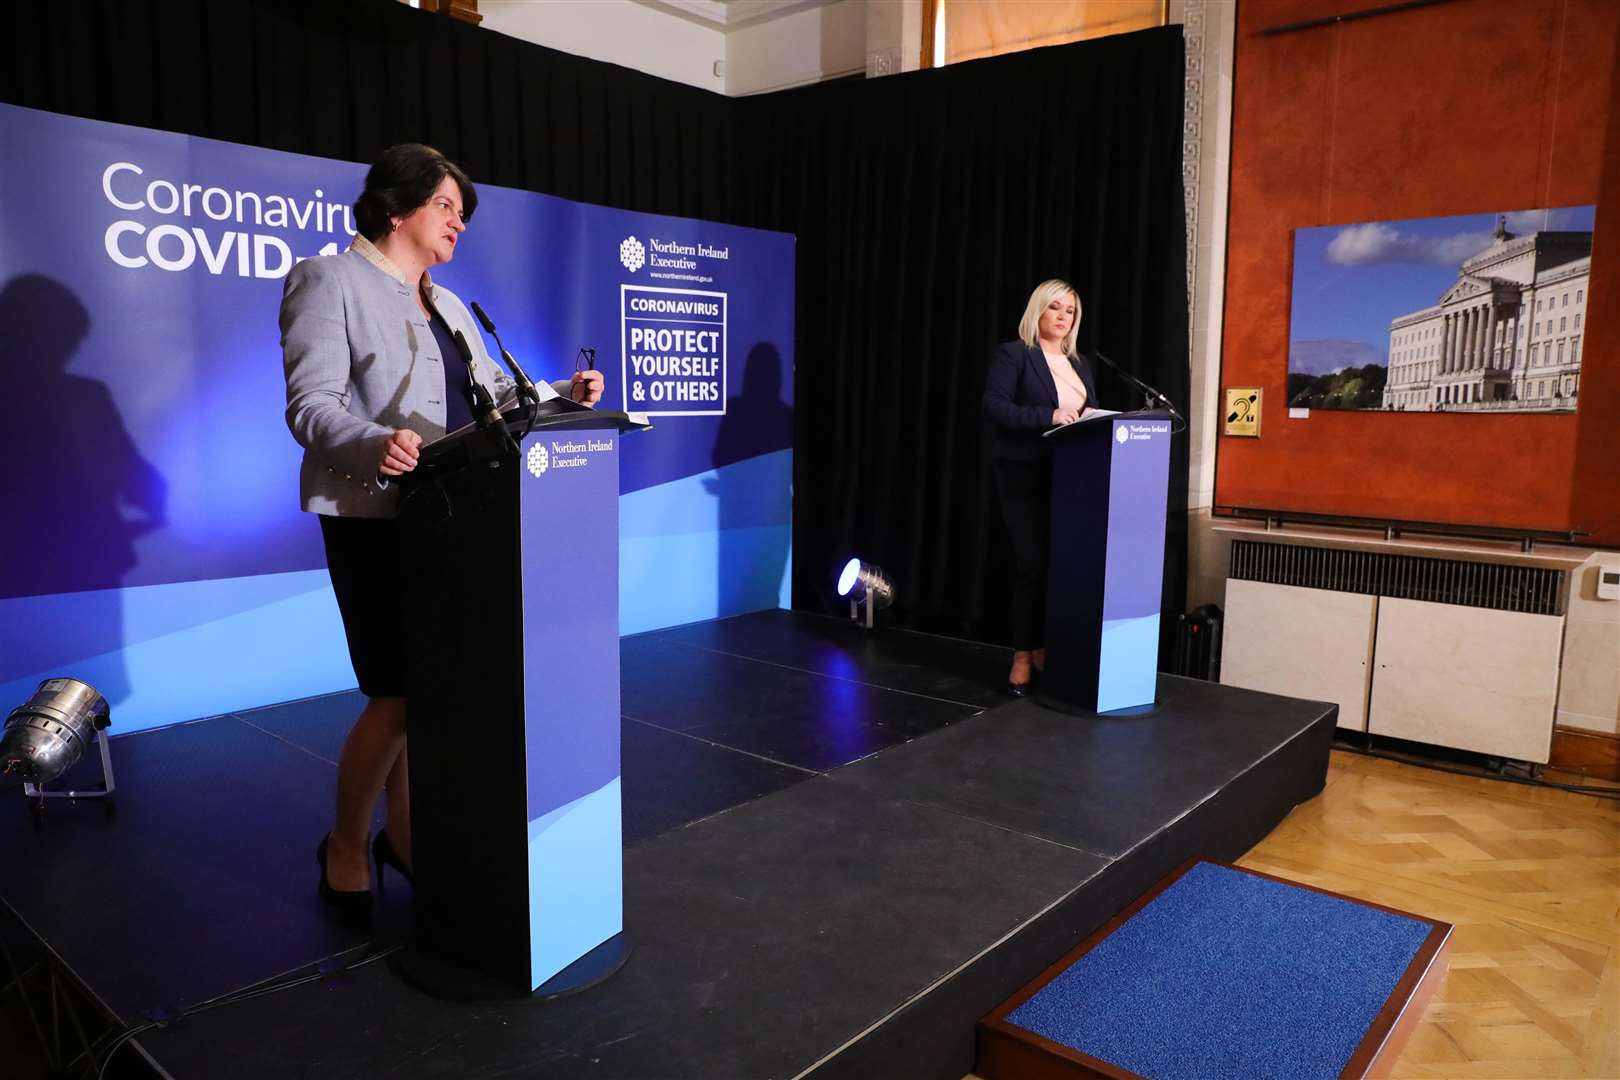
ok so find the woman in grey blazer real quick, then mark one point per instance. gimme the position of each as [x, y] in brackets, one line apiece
[373, 371]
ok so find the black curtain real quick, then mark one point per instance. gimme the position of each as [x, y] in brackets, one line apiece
[347, 78]
[926, 206]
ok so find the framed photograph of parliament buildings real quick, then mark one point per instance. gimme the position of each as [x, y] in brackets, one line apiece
[1475, 313]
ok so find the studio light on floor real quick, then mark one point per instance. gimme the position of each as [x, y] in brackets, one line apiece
[46, 735]
[864, 586]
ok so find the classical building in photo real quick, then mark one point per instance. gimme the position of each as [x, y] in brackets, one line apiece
[1505, 336]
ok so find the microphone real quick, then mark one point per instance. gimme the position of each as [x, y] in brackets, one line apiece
[1153, 396]
[525, 386]
[483, 406]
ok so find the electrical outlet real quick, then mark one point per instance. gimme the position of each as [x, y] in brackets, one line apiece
[882, 62]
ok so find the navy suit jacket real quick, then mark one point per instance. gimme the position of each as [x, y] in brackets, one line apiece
[1019, 396]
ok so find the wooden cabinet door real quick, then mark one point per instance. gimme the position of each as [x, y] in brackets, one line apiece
[1303, 643]
[1466, 677]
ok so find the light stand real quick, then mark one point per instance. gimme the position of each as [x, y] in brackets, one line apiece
[47, 734]
[867, 588]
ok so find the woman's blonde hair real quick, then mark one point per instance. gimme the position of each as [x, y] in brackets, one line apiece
[1029, 327]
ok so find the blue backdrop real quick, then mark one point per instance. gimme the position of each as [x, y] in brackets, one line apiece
[155, 547]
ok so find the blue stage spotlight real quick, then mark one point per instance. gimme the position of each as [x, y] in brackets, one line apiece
[47, 734]
[848, 576]
[865, 586]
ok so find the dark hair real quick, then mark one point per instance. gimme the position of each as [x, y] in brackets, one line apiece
[402, 179]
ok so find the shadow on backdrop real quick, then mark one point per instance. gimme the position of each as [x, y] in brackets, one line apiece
[751, 560]
[75, 487]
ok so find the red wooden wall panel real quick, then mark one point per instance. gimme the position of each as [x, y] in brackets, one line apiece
[1463, 107]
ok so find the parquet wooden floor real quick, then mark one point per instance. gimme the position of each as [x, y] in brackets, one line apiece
[1530, 877]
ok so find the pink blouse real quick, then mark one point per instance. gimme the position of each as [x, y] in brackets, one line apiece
[1071, 391]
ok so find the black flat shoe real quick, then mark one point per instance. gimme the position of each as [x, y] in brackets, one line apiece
[382, 850]
[1017, 689]
[350, 907]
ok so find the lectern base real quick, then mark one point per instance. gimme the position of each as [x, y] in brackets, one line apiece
[1049, 702]
[435, 975]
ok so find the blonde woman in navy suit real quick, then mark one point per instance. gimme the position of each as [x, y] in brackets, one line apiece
[1035, 383]
[373, 370]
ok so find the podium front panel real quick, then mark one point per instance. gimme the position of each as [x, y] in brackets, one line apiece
[1133, 574]
[568, 487]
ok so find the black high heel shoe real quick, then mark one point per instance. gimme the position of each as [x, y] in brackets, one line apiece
[382, 850]
[1022, 689]
[350, 907]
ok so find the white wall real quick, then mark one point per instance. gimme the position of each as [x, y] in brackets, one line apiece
[801, 47]
[1589, 691]
[620, 32]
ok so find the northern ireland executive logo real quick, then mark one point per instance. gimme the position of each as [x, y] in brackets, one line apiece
[538, 459]
[632, 254]
[1121, 436]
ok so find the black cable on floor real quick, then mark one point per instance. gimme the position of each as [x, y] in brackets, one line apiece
[276, 984]
[1579, 789]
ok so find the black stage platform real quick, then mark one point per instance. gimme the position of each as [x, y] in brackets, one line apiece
[841, 851]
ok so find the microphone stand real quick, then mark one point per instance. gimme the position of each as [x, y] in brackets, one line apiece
[1154, 398]
[483, 406]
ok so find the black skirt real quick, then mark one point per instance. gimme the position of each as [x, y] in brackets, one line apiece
[363, 557]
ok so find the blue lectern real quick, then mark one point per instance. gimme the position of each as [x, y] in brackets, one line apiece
[512, 568]
[1105, 565]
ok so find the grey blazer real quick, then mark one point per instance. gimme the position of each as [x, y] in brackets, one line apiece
[361, 360]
